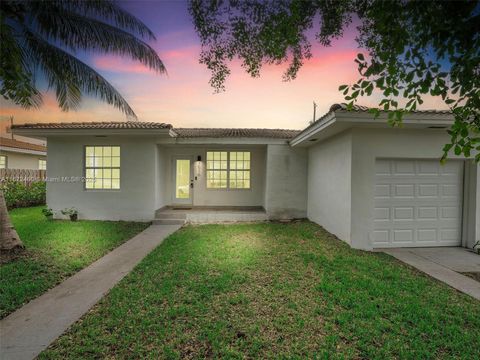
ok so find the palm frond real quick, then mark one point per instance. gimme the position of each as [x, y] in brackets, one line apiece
[17, 81]
[45, 34]
[108, 10]
[79, 32]
[69, 76]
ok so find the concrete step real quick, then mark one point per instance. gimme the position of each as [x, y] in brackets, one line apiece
[168, 221]
[170, 215]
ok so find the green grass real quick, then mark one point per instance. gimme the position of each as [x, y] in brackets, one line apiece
[273, 291]
[54, 250]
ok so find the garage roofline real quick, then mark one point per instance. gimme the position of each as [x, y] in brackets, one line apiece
[339, 119]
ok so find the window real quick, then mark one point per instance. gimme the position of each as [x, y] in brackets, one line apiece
[102, 167]
[239, 174]
[3, 162]
[228, 169]
[217, 164]
[42, 164]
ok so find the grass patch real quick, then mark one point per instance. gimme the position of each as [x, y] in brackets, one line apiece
[54, 250]
[273, 291]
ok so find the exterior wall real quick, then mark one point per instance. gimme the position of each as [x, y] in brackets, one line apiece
[477, 209]
[161, 179]
[369, 144]
[329, 184]
[22, 161]
[215, 197]
[286, 182]
[134, 201]
[472, 204]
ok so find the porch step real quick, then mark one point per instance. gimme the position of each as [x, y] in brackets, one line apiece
[168, 221]
[170, 215]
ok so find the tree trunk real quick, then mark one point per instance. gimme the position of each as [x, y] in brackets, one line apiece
[9, 239]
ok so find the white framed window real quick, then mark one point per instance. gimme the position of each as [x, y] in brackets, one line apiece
[42, 164]
[3, 161]
[102, 167]
[228, 169]
[217, 164]
[239, 170]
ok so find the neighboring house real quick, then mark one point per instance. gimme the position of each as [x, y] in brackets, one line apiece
[16, 154]
[371, 185]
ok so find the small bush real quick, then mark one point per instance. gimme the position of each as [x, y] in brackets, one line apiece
[17, 194]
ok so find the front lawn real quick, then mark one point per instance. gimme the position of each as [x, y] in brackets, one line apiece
[54, 251]
[273, 291]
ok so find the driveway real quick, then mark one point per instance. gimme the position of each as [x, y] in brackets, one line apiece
[445, 264]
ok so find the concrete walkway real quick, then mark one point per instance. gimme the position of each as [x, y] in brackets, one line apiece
[444, 264]
[29, 330]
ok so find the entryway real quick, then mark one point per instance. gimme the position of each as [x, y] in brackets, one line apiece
[183, 180]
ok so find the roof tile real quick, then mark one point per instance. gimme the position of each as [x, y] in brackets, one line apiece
[12, 143]
[361, 108]
[96, 125]
[235, 132]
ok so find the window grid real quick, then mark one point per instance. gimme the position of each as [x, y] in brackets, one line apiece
[228, 169]
[102, 167]
[239, 174]
[217, 163]
[42, 164]
[3, 161]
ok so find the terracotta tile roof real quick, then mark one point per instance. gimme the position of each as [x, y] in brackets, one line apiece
[12, 143]
[361, 108]
[245, 133]
[96, 125]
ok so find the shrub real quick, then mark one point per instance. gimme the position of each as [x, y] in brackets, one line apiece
[17, 194]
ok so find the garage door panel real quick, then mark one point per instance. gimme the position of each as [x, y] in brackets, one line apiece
[450, 191]
[427, 167]
[427, 190]
[427, 235]
[403, 167]
[417, 203]
[382, 191]
[404, 190]
[427, 213]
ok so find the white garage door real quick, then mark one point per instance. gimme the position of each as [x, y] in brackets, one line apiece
[417, 203]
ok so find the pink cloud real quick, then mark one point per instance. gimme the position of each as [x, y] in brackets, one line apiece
[117, 64]
[186, 53]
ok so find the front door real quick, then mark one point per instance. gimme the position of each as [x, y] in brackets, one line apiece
[183, 180]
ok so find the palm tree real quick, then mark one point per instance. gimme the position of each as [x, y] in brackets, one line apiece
[41, 36]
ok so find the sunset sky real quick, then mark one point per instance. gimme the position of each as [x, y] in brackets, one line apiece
[184, 97]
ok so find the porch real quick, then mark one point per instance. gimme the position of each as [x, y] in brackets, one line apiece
[209, 214]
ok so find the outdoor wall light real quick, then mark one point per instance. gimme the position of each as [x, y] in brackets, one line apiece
[198, 166]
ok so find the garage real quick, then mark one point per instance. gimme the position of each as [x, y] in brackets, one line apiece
[417, 203]
[377, 186]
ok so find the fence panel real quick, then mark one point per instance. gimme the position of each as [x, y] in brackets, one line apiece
[25, 176]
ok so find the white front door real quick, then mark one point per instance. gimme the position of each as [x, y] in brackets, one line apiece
[182, 180]
[417, 203]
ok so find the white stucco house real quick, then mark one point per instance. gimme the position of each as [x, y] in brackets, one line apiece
[17, 154]
[371, 185]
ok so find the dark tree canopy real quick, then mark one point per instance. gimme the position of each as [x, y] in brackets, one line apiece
[410, 49]
[41, 36]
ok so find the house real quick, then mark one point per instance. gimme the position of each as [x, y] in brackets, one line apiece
[16, 154]
[371, 185]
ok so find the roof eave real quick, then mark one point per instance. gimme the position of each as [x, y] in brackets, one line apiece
[340, 120]
[23, 151]
[43, 133]
[223, 140]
